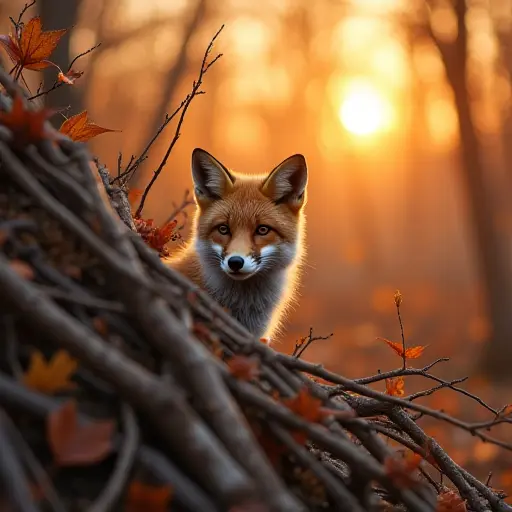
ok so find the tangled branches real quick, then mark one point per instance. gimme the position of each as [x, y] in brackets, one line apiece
[121, 383]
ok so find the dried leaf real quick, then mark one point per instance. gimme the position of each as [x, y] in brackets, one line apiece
[157, 237]
[450, 501]
[22, 269]
[100, 325]
[27, 126]
[73, 444]
[395, 386]
[142, 497]
[306, 405]
[53, 376]
[244, 368]
[410, 353]
[69, 77]
[402, 471]
[34, 47]
[80, 129]
[398, 298]
[505, 411]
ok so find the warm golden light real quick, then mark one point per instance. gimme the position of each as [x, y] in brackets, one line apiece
[364, 110]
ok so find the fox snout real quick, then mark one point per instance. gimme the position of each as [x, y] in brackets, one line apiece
[239, 266]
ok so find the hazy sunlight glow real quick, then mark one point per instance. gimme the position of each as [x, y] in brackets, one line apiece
[364, 111]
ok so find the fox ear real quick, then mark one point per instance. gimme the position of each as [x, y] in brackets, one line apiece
[287, 182]
[211, 179]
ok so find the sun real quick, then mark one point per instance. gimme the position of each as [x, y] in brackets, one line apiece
[364, 110]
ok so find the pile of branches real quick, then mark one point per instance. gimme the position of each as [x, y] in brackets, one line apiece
[124, 387]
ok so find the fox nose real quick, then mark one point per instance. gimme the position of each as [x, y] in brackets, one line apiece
[236, 263]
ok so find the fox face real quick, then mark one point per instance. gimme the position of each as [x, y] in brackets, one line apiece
[247, 226]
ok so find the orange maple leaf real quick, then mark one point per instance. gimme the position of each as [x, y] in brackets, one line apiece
[395, 386]
[50, 377]
[27, 126]
[243, 368]
[69, 77]
[450, 501]
[402, 471]
[73, 444]
[34, 47]
[80, 129]
[410, 353]
[142, 497]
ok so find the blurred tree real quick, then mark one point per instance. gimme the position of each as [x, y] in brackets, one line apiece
[492, 250]
[57, 14]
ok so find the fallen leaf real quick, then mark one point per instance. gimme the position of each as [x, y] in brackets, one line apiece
[402, 470]
[100, 325]
[410, 353]
[34, 47]
[73, 444]
[22, 269]
[53, 376]
[142, 497]
[450, 501]
[244, 368]
[395, 386]
[69, 77]
[27, 126]
[80, 129]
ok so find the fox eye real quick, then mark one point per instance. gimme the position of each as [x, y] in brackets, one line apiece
[262, 230]
[223, 229]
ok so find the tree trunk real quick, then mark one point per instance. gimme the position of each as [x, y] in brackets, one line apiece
[492, 253]
[58, 14]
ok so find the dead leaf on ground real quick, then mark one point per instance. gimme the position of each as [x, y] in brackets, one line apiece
[73, 444]
[53, 376]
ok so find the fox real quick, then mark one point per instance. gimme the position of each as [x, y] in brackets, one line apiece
[246, 248]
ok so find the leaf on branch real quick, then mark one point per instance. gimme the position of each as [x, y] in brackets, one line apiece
[34, 47]
[73, 444]
[27, 126]
[23, 269]
[306, 405]
[142, 497]
[395, 386]
[157, 237]
[505, 412]
[80, 129]
[450, 501]
[244, 368]
[69, 77]
[410, 353]
[402, 471]
[53, 376]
